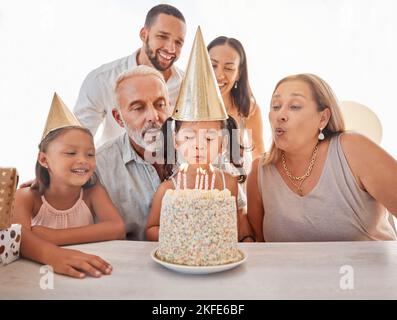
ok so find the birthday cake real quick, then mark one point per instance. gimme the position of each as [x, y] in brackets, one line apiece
[198, 228]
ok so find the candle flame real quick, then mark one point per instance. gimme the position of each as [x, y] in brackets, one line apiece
[184, 167]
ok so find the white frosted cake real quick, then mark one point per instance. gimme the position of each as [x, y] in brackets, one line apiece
[198, 228]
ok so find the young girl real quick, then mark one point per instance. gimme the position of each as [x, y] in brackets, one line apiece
[197, 144]
[62, 207]
[200, 127]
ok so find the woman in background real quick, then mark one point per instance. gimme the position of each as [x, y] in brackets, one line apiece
[229, 62]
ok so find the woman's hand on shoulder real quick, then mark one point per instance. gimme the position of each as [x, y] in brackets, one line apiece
[374, 169]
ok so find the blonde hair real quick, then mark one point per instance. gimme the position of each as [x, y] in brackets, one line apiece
[138, 71]
[325, 98]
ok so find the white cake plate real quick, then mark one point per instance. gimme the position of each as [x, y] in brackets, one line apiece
[198, 269]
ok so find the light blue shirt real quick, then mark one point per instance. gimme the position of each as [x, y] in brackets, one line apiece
[130, 181]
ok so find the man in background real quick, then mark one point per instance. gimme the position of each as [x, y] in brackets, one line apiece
[162, 38]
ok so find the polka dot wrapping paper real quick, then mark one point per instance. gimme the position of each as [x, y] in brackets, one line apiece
[10, 235]
[10, 241]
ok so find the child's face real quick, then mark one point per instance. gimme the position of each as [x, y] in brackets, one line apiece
[199, 142]
[70, 158]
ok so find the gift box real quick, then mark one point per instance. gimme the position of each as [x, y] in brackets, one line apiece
[8, 185]
[10, 241]
[10, 235]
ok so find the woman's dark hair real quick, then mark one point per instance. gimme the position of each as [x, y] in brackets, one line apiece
[234, 149]
[241, 96]
[42, 174]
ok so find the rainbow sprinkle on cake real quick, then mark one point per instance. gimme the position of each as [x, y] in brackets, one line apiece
[198, 228]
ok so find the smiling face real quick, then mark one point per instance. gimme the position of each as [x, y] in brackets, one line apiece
[294, 116]
[163, 41]
[225, 62]
[69, 158]
[199, 142]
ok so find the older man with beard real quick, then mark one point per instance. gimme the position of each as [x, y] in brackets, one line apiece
[126, 165]
[162, 40]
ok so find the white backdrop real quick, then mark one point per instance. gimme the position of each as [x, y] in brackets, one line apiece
[48, 46]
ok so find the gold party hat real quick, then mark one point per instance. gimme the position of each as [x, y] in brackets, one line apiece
[59, 117]
[199, 97]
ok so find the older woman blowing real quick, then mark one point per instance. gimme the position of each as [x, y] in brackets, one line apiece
[318, 183]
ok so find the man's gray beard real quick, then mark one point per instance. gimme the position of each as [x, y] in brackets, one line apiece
[139, 138]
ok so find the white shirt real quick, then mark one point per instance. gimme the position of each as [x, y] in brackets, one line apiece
[96, 98]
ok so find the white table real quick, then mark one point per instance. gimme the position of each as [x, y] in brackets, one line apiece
[272, 271]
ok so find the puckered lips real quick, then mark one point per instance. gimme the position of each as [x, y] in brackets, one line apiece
[279, 131]
[200, 158]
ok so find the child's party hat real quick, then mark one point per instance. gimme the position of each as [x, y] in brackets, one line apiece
[59, 117]
[199, 97]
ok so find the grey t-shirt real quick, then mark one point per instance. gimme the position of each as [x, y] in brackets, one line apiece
[130, 181]
[335, 210]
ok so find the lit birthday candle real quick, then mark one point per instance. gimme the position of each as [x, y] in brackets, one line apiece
[184, 175]
[178, 181]
[206, 180]
[196, 185]
[213, 177]
[201, 179]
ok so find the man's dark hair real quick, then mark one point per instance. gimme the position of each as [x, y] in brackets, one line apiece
[165, 9]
